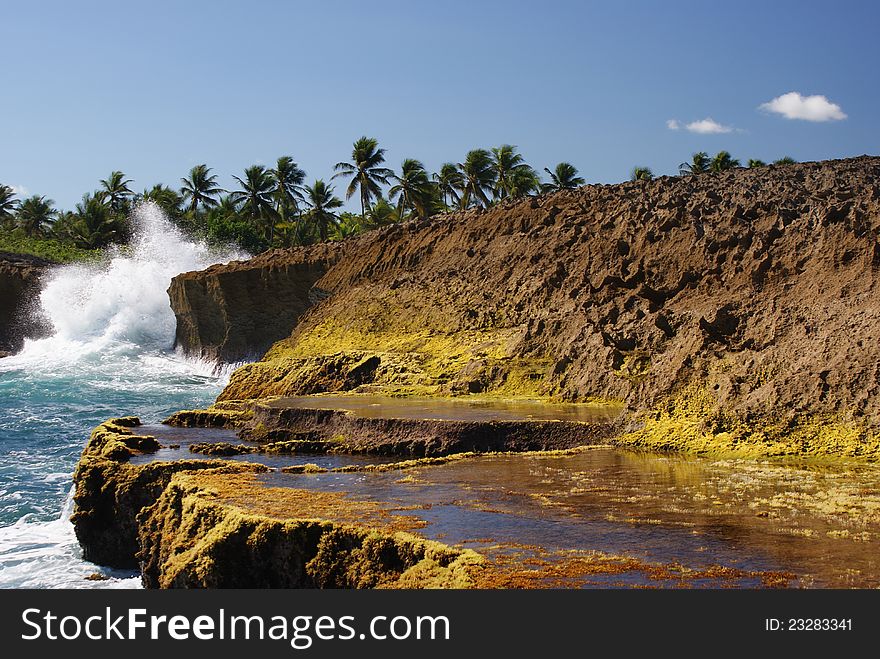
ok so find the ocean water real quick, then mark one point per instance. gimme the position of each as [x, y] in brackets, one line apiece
[110, 354]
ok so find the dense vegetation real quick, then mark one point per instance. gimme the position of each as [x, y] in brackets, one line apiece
[275, 207]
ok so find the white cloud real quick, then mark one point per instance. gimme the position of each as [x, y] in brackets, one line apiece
[20, 190]
[707, 126]
[809, 108]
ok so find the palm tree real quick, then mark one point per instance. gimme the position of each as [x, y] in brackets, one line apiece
[786, 160]
[505, 163]
[412, 189]
[170, 201]
[365, 170]
[223, 224]
[382, 214]
[224, 211]
[255, 197]
[641, 174]
[753, 162]
[227, 206]
[449, 180]
[723, 161]
[34, 214]
[94, 225]
[8, 204]
[349, 224]
[322, 203]
[115, 189]
[288, 179]
[478, 178]
[699, 164]
[61, 227]
[200, 187]
[522, 182]
[563, 177]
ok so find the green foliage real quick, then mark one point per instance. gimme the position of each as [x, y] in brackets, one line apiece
[224, 225]
[34, 216]
[382, 214]
[723, 161]
[288, 179]
[255, 198]
[522, 182]
[478, 178]
[699, 164]
[449, 181]
[786, 160]
[348, 225]
[563, 177]
[413, 189]
[47, 248]
[170, 201]
[641, 174]
[200, 188]
[322, 202]
[93, 225]
[365, 171]
[513, 177]
[116, 191]
[756, 163]
[8, 204]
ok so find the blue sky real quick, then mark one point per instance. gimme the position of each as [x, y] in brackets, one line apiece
[153, 88]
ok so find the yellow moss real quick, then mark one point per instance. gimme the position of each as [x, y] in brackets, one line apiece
[430, 574]
[418, 355]
[221, 415]
[204, 531]
[309, 468]
[690, 422]
[329, 338]
[467, 455]
[635, 368]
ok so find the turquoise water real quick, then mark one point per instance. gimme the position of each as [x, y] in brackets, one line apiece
[111, 354]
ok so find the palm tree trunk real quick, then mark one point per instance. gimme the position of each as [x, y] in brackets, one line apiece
[272, 225]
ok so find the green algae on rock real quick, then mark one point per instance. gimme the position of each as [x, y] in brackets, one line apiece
[198, 534]
[692, 421]
[213, 417]
[110, 493]
[171, 519]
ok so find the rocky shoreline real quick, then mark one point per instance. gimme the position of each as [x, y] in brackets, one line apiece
[20, 277]
[733, 314]
[208, 523]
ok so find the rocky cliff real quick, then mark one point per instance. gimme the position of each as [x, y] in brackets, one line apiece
[19, 285]
[234, 312]
[727, 309]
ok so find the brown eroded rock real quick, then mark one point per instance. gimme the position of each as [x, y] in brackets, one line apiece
[20, 276]
[755, 288]
[236, 311]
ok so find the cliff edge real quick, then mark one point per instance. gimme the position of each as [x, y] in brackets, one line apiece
[19, 285]
[236, 311]
[736, 309]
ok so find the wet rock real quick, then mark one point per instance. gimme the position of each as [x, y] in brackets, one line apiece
[20, 277]
[110, 493]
